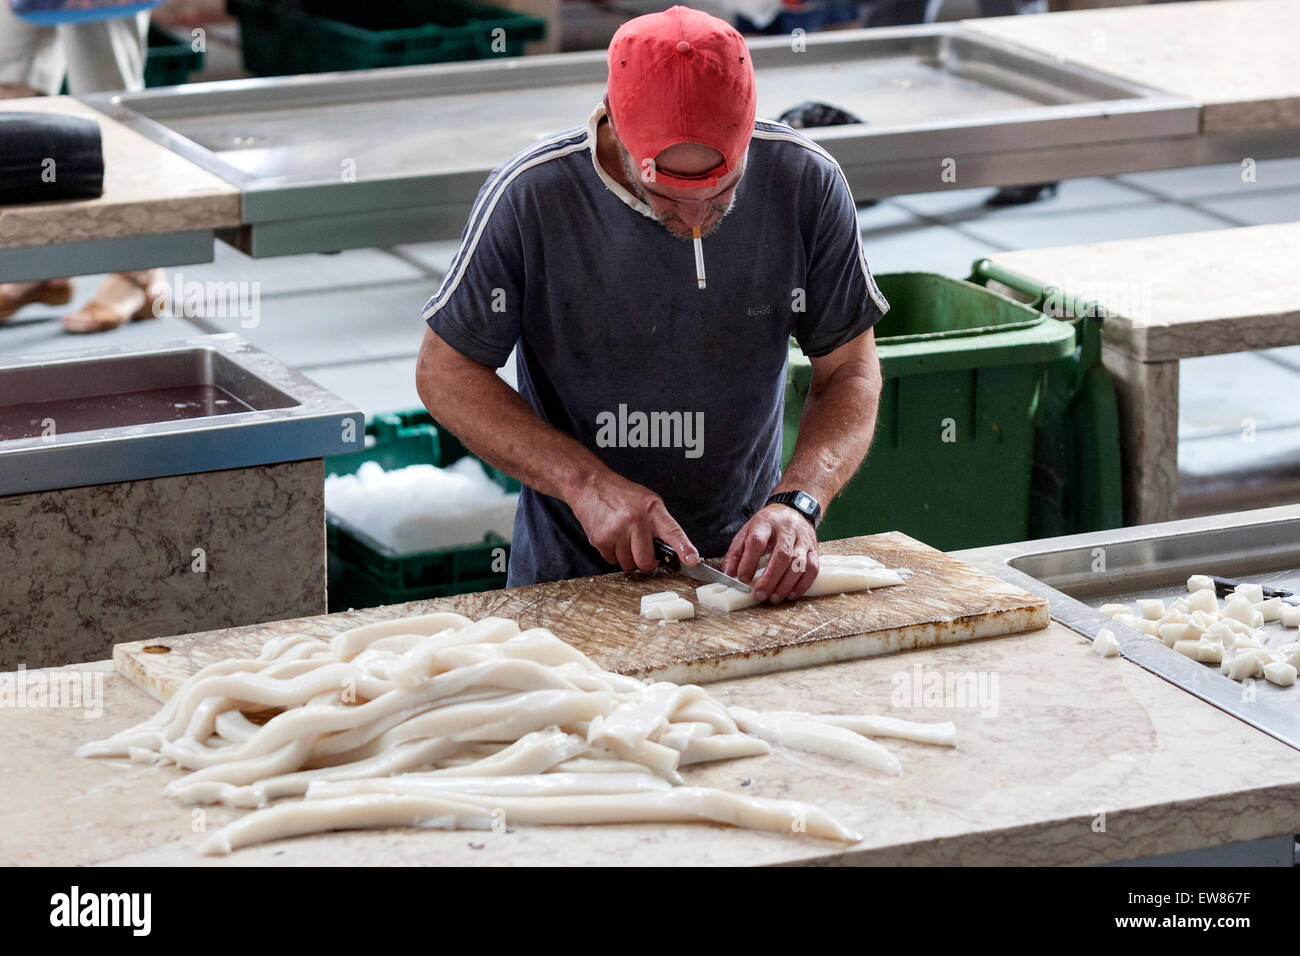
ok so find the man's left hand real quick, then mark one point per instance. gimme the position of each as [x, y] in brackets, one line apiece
[792, 542]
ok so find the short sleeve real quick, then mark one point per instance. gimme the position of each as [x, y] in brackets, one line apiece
[478, 308]
[841, 299]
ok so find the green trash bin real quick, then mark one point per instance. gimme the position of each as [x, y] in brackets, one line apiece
[320, 36]
[964, 374]
[1078, 480]
[362, 571]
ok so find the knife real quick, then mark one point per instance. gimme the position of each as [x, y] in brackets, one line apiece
[667, 557]
[1225, 586]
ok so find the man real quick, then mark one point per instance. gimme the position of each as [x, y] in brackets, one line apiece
[650, 407]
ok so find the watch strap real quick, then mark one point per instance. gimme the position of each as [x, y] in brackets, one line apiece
[800, 501]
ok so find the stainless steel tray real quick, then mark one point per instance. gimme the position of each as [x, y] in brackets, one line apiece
[421, 140]
[201, 404]
[1079, 573]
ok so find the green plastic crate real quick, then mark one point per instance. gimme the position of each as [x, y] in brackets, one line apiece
[959, 362]
[171, 58]
[320, 36]
[362, 572]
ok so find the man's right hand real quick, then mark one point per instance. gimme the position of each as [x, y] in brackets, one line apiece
[622, 519]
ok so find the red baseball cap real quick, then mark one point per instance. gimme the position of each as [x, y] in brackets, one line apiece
[682, 76]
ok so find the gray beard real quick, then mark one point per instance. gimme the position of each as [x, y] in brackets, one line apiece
[666, 220]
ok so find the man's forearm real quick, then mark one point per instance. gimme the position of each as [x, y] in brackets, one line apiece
[839, 419]
[497, 425]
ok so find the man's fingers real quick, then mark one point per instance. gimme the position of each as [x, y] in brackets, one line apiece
[610, 555]
[731, 563]
[643, 548]
[755, 548]
[732, 557]
[786, 585]
[623, 551]
[809, 575]
[777, 565]
[673, 535]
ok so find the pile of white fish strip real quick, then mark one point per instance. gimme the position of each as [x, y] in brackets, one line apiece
[438, 721]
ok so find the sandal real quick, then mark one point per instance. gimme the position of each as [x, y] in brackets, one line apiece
[15, 295]
[124, 297]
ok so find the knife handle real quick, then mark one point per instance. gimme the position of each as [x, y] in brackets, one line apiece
[1225, 586]
[666, 556]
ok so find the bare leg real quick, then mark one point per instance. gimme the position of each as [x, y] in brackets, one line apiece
[122, 298]
[15, 295]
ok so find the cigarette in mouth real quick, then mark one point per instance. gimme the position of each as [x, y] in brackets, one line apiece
[699, 256]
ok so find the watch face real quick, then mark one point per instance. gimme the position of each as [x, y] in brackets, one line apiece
[804, 503]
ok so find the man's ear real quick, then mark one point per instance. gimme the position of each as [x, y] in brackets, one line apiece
[610, 116]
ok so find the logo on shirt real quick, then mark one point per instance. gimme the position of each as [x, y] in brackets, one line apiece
[624, 429]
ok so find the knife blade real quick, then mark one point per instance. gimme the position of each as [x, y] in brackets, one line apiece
[1225, 586]
[668, 558]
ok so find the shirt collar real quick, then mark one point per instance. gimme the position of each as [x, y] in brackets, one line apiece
[613, 185]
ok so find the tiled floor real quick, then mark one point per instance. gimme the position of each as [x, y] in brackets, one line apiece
[352, 320]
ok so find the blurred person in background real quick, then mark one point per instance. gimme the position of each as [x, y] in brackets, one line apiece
[95, 56]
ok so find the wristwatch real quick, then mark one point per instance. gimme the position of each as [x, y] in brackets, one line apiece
[801, 502]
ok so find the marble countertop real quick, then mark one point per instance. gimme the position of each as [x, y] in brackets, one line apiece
[1154, 289]
[147, 190]
[1235, 57]
[1066, 759]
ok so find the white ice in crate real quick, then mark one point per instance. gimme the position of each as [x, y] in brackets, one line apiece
[422, 507]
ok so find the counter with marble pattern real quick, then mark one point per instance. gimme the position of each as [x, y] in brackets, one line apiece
[1154, 289]
[147, 190]
[84, 568]
[1157, 313]
[1235, 57]
[1072, 759]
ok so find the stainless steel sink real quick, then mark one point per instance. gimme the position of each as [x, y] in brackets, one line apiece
[383, 156]
[202, 404]
[1077, 574]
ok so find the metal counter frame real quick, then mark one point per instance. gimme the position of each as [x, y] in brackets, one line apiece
[1247, 543]
[423, 139]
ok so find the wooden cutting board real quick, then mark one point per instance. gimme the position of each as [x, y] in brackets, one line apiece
[943, 602]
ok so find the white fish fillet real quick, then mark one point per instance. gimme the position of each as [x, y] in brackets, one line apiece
[679, 804]
[438, 721]
[408, 756]
[709, 711]
[806, 733]
[833, 580]
[723, 747]
[940, 734]
[677, 609]
[525, 785]
[316, 721]
[535, 752]
[287, 758]
[678, 734]
[347, 645]
[276, 647]
[659, 597]
[719, 597]
[837, 574]
[597, 765]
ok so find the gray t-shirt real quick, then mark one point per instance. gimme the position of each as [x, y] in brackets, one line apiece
[676, 388]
